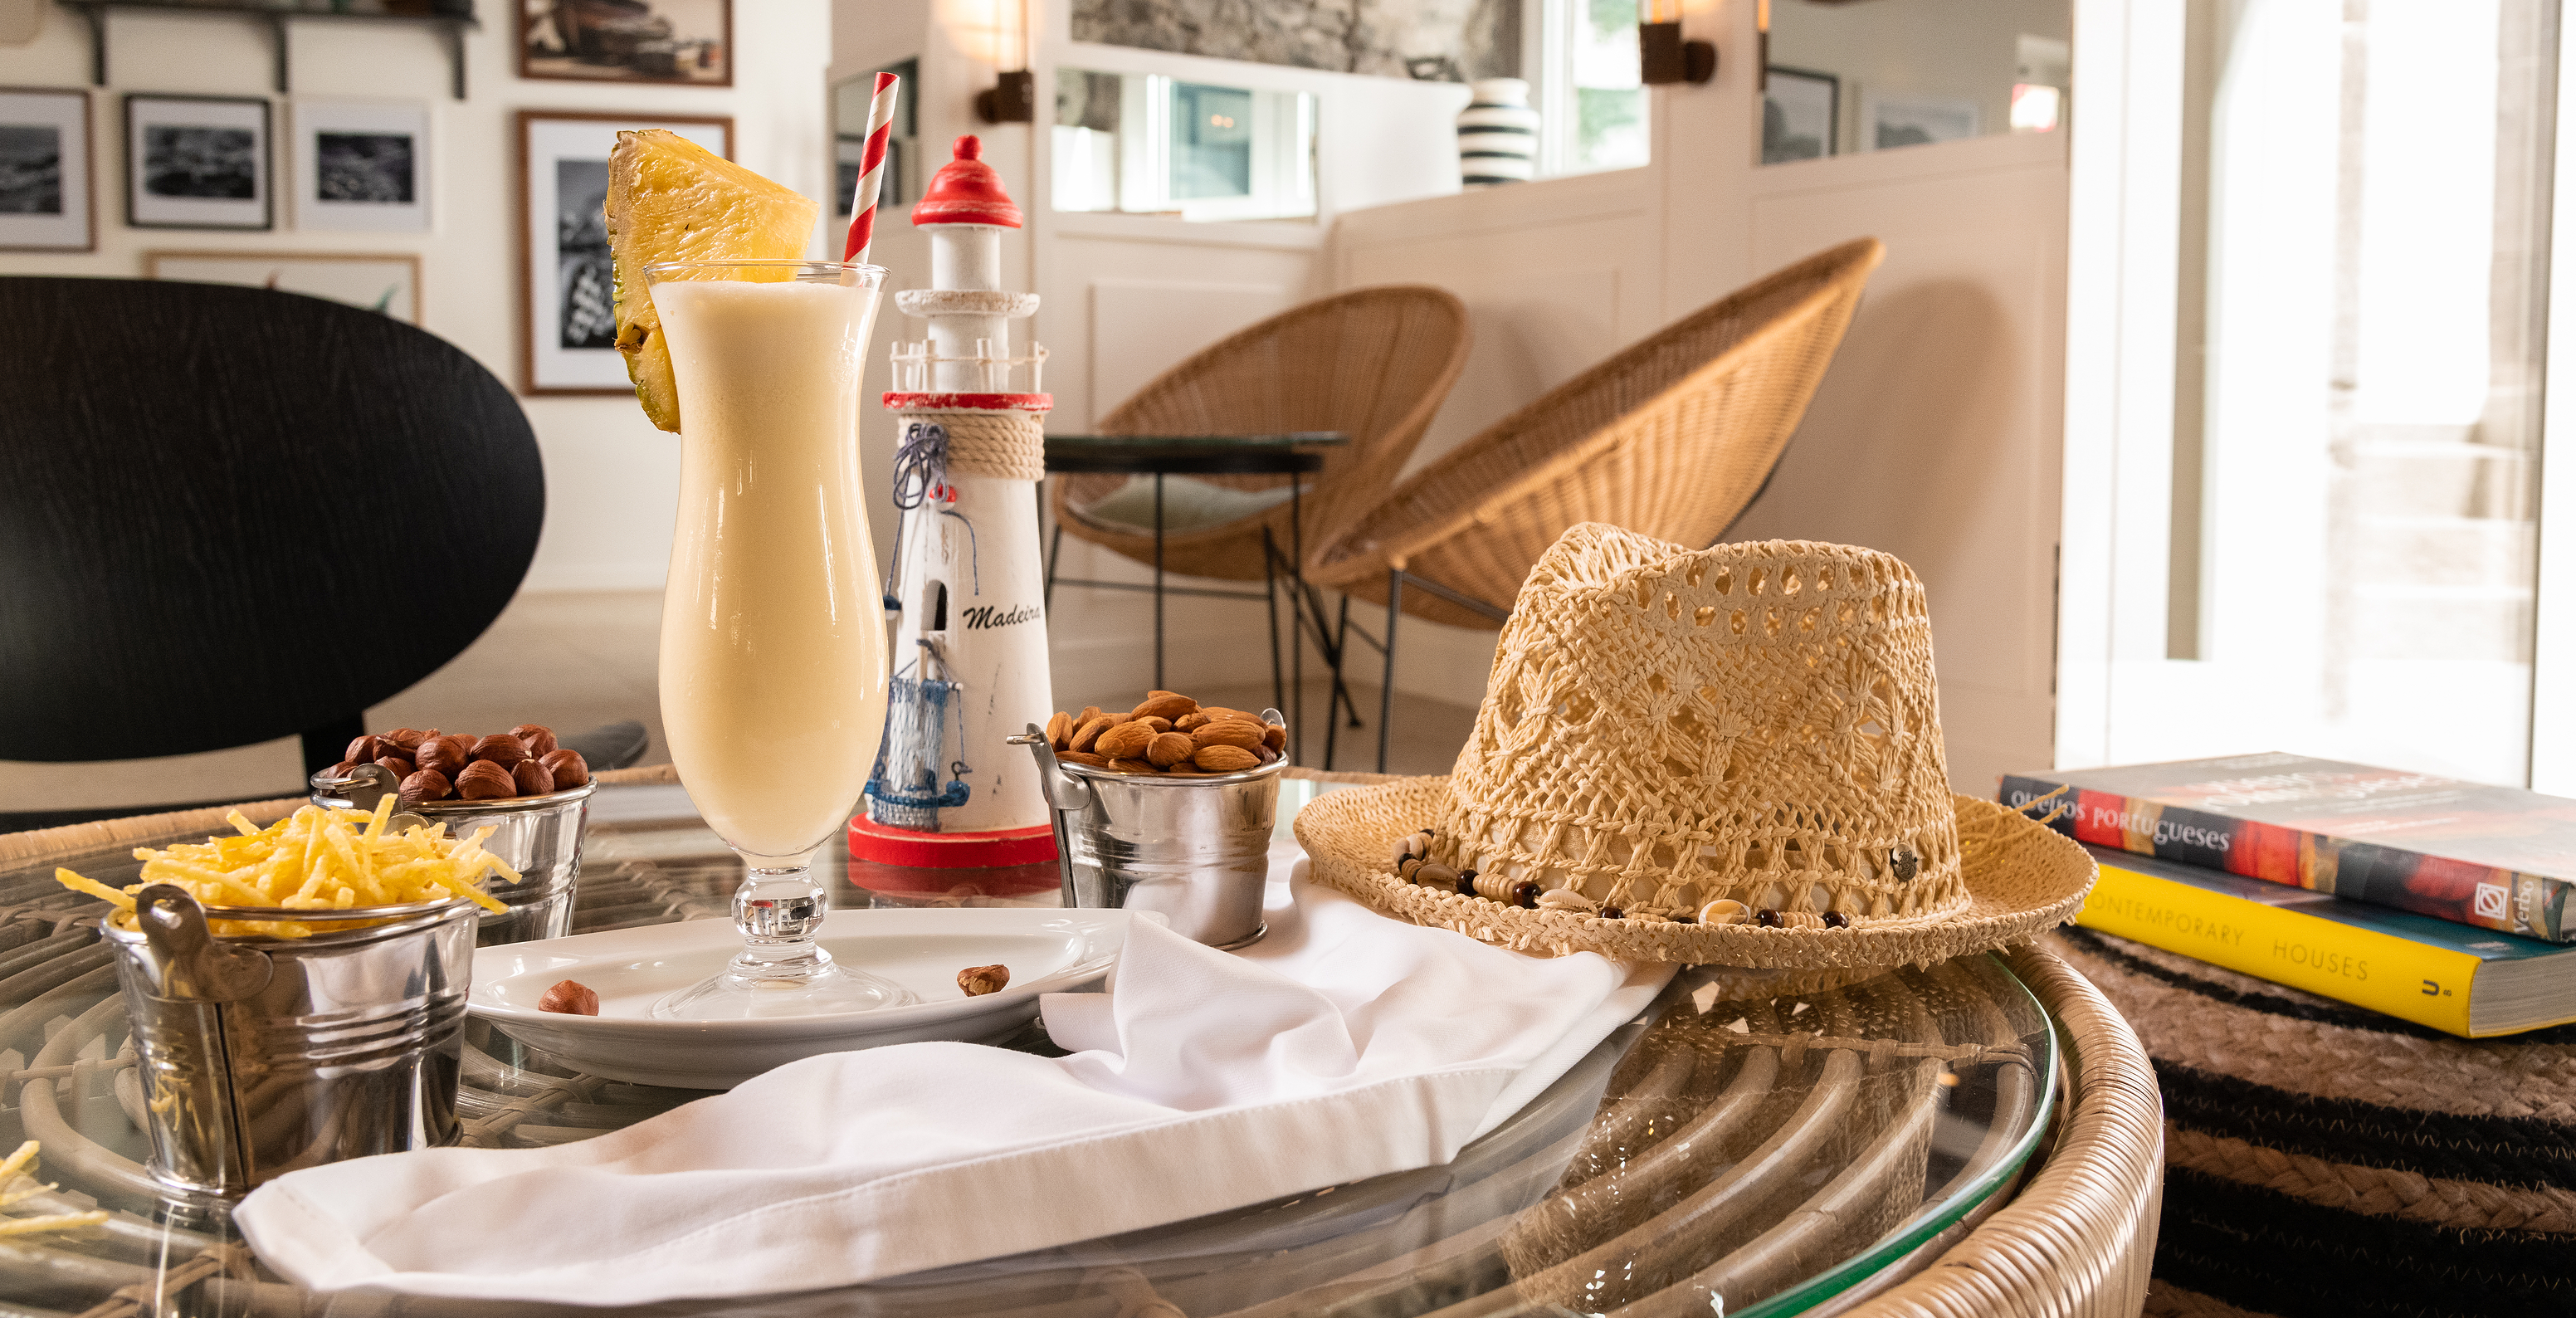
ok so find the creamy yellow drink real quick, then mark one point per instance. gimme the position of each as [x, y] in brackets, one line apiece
[773, 666]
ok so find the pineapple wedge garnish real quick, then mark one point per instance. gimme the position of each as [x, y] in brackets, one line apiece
[670, 199]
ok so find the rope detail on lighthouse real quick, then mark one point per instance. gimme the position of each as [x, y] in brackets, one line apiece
[1007, 444]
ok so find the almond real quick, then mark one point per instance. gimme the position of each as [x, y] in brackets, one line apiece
[1193, 721]
[1170, 748]
[1083, 757]
[1228, 732]
[1126, 741]
[1274, 736]
[1157, 722]
[1132, 766]
[1219, 714]
[1165, 705]
[1089, 712]
[1224, 759]
[1059, 729]
[1089, 732]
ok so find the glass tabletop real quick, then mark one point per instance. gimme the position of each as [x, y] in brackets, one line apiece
[1739, 1157]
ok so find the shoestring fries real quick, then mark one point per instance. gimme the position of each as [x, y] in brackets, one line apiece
[23, 1164]
[316, 859]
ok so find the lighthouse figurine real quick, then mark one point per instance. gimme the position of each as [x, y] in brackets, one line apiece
[969, 666]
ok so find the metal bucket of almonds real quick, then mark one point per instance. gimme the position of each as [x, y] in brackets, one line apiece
[532, 794]
[1166, 807]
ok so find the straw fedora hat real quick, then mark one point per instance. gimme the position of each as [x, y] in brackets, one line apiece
[1728, 756]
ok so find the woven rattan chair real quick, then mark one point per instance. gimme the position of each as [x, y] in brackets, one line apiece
[1373, 364]
[1671, 437]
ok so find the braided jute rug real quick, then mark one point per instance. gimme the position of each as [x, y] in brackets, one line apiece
[2325, 1160]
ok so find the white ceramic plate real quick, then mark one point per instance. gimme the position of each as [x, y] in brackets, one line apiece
[1048, 951]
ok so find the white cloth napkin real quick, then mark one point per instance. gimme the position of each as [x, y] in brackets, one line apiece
[1344, 1045]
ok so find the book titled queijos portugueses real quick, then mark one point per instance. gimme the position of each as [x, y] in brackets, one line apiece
[2493, 857]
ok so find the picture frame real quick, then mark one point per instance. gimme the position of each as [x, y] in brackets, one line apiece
[566, 282]
[48, 165]
[361, 166]
[387, 282]
[198, 162]
[1801, 114]
[1889, 120]
[673, 43]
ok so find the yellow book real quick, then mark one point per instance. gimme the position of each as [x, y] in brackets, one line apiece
[2451, 977]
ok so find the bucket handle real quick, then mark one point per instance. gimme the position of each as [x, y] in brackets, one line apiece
[194, 965]
[1065, 794]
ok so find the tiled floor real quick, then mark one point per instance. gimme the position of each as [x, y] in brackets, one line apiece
[577, 660]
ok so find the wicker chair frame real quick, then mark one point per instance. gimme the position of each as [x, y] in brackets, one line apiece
[1670, 437]
[1372, 363]
[1673, 437]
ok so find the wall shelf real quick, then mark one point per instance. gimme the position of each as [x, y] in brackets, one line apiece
[451, 25]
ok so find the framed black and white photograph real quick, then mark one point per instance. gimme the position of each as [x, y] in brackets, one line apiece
[1801, 114]
[387, 283]
[197, 162]
[684, 42]
[45, 164]
[1889, 120]
[361, 165]
[567, 285]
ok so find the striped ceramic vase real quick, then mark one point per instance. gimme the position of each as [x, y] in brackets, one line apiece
[1497, 134]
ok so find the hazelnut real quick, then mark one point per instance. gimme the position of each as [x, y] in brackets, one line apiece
[341, 770]
[407, 738]
[537, 737]
[980, 980]
[500, 748]
[533, 778]
[567, 767]
[570, 997]
[362, 750]
[444, 754]
[484, 781]
[394, 764]
[425, 785]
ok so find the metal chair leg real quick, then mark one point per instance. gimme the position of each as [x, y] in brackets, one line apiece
[1270, 599]
[1386, 692]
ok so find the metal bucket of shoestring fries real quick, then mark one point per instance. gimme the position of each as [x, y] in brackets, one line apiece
[537, 836]
[297, 992]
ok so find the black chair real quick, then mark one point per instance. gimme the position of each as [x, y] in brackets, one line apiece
[230, 514]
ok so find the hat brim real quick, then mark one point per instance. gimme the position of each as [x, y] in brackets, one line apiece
[2022, 878]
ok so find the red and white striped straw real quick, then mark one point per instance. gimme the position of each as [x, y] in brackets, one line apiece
[863, 201]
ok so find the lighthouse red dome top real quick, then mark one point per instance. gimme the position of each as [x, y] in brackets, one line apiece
[967, 191]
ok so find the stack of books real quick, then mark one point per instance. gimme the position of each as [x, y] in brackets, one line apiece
[2434, 900]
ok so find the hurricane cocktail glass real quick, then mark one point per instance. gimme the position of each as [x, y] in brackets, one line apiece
[773, 667]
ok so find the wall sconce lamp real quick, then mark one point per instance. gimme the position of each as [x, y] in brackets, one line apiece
[1013, 99]
[1663, 57]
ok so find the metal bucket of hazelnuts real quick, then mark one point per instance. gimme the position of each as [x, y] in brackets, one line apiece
[532, 794]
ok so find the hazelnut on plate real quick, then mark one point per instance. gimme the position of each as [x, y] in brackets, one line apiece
[980, 980]
[570, 997]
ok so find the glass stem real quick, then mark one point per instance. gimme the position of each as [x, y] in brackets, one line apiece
[779, 911]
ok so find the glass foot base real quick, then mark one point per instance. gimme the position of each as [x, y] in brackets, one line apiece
[751, 990]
